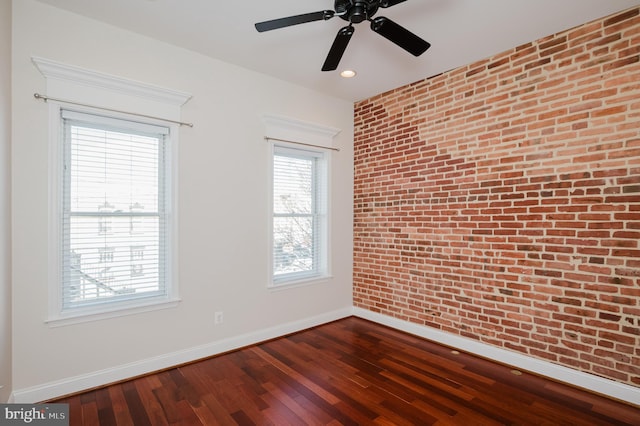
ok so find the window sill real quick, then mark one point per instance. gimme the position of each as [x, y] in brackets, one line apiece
[302, 282]
[88, 315]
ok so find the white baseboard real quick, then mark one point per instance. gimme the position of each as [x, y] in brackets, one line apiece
[567, 375]
[76, 384]
[9, 400]
[576, 378]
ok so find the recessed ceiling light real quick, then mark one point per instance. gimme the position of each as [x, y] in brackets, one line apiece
[348, 73]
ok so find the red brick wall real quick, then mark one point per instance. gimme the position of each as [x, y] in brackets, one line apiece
[501, 201]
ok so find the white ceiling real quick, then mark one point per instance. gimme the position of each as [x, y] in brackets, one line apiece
[460, 32]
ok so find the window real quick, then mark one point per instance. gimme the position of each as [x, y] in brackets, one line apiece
[115, 213]
[299, 222]
[93, 272]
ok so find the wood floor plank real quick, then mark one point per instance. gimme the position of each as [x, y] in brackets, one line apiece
[348, 372]
[120, 409]
[105, 407]
[333, 381]
[304, 382]
[75, 408]
[89, 414]
[143, 405]
[219, 416]
[282, 401]
[298, 402]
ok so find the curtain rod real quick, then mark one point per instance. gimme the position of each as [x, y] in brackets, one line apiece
[46, 98]
[267, 138]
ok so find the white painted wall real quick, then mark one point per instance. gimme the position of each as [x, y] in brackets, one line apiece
[223, 187]
[5, 200]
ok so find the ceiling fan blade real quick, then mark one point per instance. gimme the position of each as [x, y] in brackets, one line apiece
[389, 3]
[294, 20]
[399, 35]
[338, 48]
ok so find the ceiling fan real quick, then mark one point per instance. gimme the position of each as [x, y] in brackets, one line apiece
[354, 12]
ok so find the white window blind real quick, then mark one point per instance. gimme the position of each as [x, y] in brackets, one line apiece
[299, 214]
[114, 211]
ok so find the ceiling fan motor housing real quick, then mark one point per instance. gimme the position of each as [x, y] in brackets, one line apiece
[356, 11]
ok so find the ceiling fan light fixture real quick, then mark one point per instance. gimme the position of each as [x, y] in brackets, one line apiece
[348, 73]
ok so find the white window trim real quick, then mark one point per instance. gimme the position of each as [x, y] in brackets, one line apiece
[84, 86]
[288, 129]
[297, 279]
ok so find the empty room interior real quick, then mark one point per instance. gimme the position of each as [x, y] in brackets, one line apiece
[194, 188]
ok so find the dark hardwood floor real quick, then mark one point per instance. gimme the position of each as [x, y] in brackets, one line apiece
[349, 372]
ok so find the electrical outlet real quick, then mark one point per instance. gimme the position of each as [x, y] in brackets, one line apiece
[218, 317]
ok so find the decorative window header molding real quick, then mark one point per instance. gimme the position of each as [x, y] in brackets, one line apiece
[82, 86]
[285, 128]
